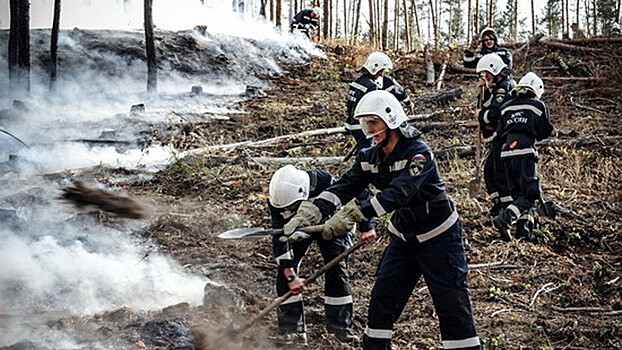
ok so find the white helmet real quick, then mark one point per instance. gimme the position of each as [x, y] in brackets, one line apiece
[382, 104]
[288, 185]
[491, 63]
[488, 31]
[316, 10]
[377, 61]
[531, 82]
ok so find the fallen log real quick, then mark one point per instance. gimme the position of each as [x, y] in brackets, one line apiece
[439, 98]
[120, 205]
[591, 41]
[317, 132]
[460, 151]
[530, 42]
[568, 47]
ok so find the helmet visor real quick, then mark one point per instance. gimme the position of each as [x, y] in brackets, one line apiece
[372, 125]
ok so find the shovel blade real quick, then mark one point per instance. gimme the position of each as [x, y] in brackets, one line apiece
[249, 232]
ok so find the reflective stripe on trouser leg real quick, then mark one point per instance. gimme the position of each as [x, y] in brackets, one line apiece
[396, 279]
[337, 291]
[290, 314]
[445, 269]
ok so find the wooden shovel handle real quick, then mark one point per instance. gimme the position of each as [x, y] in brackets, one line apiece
[278, 301]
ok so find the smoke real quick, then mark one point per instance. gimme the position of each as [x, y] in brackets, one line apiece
[54, 262]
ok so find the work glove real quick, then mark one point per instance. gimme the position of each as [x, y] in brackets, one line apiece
[297, 236]
[306, 215]
[343, 221]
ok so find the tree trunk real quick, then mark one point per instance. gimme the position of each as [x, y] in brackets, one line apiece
[345, 20]
[429, 66]
[595, 19]
[372, 34]
[278, 13]
[396, 25]
[469, 24]
[54, 44]
[378, 21]
[152, 68]
[567, 18]
[262, 8]
[19, 48]
[533, 19]
[407, 27]
[491, 13]
[385, 25]
[324, 20]
[587, 16]
[416, 16]
[477, 19]
[272, 11]
[434, 22]
[515, 22]
[356, 22]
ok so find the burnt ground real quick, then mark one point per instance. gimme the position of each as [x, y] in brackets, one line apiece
[562, 292]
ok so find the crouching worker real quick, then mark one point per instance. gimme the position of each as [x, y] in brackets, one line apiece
[290, 188]
[426, 231]
[306, 21]
[524, 120]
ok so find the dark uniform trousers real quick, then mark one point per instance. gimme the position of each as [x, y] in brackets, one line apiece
[338, 296]
[524, 186]
[442, 263]
[495, 178]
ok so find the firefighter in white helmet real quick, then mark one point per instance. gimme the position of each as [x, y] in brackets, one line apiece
[290, 188]
[488, 40]
[496, 84]
[425, 228]
[524, 120]
[373, 78]
[306, 21]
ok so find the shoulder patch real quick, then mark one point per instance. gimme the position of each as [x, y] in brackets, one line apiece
[500, 95]
[416, 164]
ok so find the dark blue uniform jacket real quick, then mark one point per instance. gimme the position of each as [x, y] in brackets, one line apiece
[523, 121]
[410, 187]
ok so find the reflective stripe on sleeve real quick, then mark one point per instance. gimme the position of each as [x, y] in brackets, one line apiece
[519, 152]
[461, 343]
[534, 109]
[369, 167]
[399, 165]
[527, 216]
[485, 117]
[489, 139]
[288, 255]
[358, 86]
[514, 209]
[494, 195]
[440, 228]
[377, 206]
[506, 199]
[292, 299]
[469, 59]
[331, 197]
[390, 88]
[378, 333]
[338, 300]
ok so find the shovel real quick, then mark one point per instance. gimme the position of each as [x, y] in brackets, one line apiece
[278, 301]
[257, 232]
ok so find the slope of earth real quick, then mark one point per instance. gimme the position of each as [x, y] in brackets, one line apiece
[561, 292]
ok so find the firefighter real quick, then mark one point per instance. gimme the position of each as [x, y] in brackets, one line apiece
[524, 120]
[488, 39]
[289, 189]
[372, 78]
[496, 85]
[425, 228]
[306, 21]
